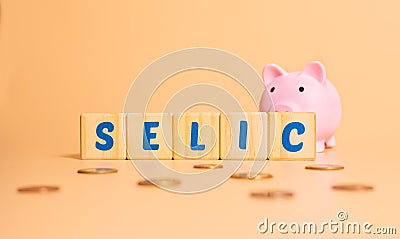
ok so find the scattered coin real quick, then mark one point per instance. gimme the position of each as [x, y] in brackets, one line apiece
[208, 166]
[246, 176]
[38, 189]
[324, 167]
[97, 170]
[272, 194]
[162, 182]
[353, 187]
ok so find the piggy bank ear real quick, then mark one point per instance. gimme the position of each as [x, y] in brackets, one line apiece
[272, 71]
[316, 70]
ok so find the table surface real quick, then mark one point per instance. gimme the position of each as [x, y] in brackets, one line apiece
[113, 205]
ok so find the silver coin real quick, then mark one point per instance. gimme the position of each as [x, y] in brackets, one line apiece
[97, 170]
[162, 182]
[39, 189]
[207, 166]
[272, 194]
[352, 187]
[244, 175]
[324, 167]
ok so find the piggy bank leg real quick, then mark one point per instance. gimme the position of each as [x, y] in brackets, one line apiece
[320, 147]
[331, 141]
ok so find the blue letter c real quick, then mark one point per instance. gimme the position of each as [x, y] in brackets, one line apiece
[286, 136]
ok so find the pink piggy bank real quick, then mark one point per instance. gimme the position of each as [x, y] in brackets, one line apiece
[305, 91]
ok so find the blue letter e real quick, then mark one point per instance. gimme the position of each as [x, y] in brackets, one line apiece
[109, 142]
[286, 136]
[147, 135]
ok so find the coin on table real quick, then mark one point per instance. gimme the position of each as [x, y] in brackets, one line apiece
[39, 189]
[246, 176]
[324, 167]
[208, 166]
[162, 182]
[97, 170]
[352, 187]
[272, 194]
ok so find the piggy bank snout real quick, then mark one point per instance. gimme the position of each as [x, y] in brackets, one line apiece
[283, 108]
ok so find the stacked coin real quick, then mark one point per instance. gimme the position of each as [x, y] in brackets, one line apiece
[162, 182]
[207, 166]
[245, 175]
[39, 189]
[98, 170]
[324, 167]
[352, 187]
[272, 194]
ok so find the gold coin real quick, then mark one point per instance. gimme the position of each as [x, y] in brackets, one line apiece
[162, 182]
[324, 167]
[208, 166]
[352, 187]
[246, 176]
[97, 170]
[39, 189]
[272, 194]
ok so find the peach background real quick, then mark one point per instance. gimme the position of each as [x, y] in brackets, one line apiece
[61, 58]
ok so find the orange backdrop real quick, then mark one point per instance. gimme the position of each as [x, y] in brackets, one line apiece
[61, 58]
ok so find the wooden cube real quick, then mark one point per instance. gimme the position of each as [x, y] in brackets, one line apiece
[243, 135]
[149, 136]
[196, 136]
[102, 136]
[291, 136]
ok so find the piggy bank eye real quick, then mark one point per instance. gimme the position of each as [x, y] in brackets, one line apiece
[272, 89]
[301, 88]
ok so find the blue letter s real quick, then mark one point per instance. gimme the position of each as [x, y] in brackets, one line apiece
[109, 140]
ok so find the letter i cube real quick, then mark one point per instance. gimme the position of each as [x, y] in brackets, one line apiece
[243, 135]
[102, 136]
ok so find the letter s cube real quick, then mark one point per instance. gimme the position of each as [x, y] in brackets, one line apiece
[102, 136]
